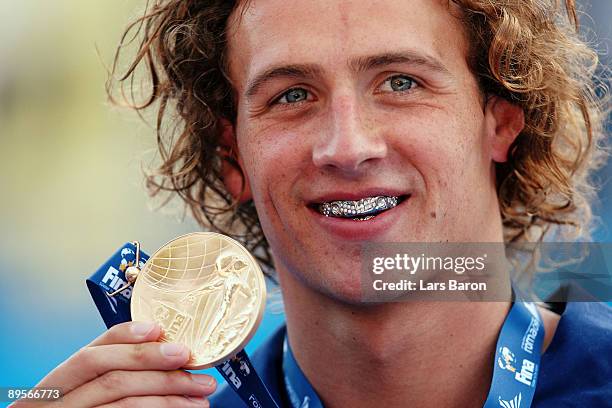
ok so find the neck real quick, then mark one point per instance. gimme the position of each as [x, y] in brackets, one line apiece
[425, 354]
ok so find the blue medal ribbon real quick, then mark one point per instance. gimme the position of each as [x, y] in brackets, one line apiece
[110, 277]
[517, 358]
[517, 362]
[238, 371]
[241, 376]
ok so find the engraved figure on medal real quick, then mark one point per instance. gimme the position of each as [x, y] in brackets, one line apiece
[227, 289]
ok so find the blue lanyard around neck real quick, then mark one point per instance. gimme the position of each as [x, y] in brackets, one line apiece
[517, 362]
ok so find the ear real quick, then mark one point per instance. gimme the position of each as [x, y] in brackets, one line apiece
[504, 122]
[232, 169]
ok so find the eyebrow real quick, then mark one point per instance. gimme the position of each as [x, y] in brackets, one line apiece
[362, 64]
[359, 64]
[306, 71]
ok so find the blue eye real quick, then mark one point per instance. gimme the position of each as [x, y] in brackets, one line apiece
[400, 83]
[293, 95]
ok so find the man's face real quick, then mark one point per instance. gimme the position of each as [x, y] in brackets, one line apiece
[343, 100]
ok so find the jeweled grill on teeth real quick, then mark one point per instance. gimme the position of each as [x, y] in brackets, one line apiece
[359, 208]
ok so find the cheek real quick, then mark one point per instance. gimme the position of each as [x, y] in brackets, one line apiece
[440, 144]
[446, 149]
[272, 159]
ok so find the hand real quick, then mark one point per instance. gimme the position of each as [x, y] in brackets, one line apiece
[127, 367]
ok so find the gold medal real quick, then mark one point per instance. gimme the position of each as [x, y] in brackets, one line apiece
[206, 291]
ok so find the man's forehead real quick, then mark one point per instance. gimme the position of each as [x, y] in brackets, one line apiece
[264, 33]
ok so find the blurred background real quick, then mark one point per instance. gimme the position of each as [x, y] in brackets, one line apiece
[71, 185]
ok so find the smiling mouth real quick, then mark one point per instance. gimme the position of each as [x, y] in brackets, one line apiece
[359, 210]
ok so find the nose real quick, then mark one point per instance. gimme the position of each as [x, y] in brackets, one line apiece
[350, 143]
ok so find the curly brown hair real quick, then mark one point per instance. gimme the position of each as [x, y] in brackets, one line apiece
[527, 51]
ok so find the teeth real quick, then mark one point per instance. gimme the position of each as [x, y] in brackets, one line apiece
[361, 210]
[367, 217]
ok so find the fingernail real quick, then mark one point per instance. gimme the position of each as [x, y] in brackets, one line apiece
[142, 328]
[172, 349]
[203, 379]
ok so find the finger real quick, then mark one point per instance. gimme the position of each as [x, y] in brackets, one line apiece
[118, 385]
[124, 333]
[92, 362]
[129, 333]
[158, 402]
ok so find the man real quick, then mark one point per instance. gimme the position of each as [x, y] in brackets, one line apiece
[473, 117]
